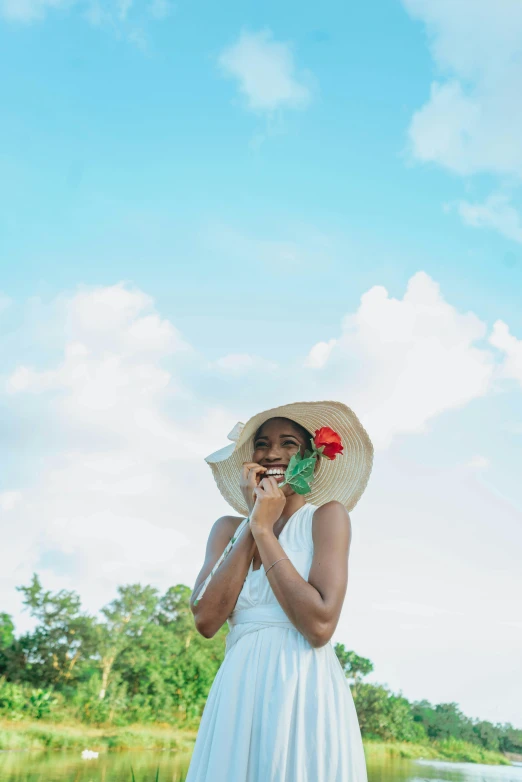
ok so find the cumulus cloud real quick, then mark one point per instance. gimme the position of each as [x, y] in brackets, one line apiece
[511, 347]
[266, 73]
[404, 361]
[319, 354]
[109, 466]
[472, 121]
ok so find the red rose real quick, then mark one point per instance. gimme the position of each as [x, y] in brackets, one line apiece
[331, 441]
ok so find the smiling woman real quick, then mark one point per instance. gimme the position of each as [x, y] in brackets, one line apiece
[280, 708]
[287, 442]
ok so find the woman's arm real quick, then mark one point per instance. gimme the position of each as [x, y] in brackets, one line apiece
[224, 587]
[313, 606]
[223, 590]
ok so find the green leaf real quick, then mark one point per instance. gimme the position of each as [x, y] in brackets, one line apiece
[303, 468]
[294, 461]
[299, 484]
[292, 464]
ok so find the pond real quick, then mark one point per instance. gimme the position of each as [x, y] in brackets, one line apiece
[171, 767]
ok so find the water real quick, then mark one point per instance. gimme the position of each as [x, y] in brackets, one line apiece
[116, 767]
[61, 766]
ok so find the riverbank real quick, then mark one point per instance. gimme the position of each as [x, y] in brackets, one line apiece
[450, 749]
[48, 736]
[45, 735]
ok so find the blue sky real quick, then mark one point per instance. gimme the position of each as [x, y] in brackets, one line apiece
[207, 210]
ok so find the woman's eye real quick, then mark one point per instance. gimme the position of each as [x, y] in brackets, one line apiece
[289, 442]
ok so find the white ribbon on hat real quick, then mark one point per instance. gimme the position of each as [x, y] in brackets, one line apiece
[235, 433]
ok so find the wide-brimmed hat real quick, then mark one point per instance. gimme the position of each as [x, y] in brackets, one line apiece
[343, 479]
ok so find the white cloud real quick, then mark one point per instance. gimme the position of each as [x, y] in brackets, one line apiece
[30, 10]
[479, 462]
[472, 121]
[110, 489]
[412, 609]
[319, 354]
[401, 362]
[123, 8]
[497, 213]
[9, 499]
[502, 339]
[266, 73]
[126, 18]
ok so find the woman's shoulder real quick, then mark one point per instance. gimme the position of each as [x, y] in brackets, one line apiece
[225, 527]
[331, 506]
[332, 514]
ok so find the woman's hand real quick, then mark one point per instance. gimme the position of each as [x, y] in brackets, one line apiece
[250, 476]
[270, 502]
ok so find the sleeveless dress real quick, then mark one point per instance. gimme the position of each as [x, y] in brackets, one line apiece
[279, 710]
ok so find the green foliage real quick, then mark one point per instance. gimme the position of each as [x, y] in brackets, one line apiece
[354, 666]
[300, 472]
[18, 702]
[384, 715]
[144, 662]
[7, 639]
[6, 631]
[57, 653]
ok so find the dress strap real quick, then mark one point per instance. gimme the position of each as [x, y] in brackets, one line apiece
[228, 547]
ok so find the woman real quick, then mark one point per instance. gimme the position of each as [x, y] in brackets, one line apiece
[280, 708]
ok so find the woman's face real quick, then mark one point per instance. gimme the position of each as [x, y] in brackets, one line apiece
[275, 444]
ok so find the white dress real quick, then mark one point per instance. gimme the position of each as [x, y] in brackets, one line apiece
[279, 710]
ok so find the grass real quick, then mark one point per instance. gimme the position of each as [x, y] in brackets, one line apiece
[450, 749]
[41, 735]
[134, 778]
[48, 736]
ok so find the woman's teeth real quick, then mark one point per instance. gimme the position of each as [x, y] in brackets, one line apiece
[277, 473]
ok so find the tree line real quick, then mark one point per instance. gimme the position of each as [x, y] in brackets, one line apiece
[142, 661]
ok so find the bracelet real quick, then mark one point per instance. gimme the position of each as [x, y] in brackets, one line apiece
[275, 563]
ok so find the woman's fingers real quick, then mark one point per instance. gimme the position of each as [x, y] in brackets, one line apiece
[269, 484]
[251, 470]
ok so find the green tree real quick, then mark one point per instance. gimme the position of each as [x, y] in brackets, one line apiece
[443, 721]
[63, 640]
[354, 666]
[125, 620]
[6, 631]
[170, 668]
[7, 640]
[384, 715]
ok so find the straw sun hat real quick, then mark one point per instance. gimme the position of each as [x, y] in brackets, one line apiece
[343, 479]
